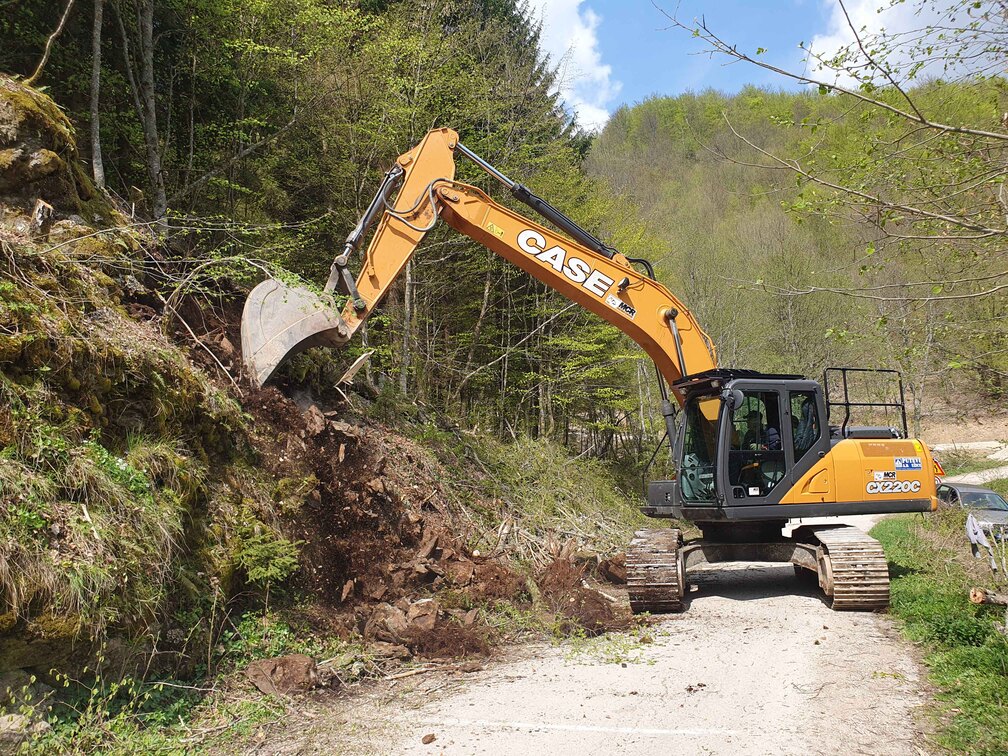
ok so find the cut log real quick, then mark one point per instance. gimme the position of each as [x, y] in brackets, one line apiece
[983, 596]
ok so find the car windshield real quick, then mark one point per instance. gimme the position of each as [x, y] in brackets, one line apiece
[984, 500]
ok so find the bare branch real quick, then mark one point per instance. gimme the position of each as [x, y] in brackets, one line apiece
[30, 81]
[871, 61]
[871, 198]
[860, 294]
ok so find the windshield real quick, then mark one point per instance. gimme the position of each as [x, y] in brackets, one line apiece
[984, 500]
[699, 452]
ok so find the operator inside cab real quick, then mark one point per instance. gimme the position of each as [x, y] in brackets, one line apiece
[756, 457]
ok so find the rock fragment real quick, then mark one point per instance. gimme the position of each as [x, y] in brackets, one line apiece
[293, 673]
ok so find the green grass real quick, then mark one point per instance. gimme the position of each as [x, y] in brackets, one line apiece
[540, 485]
[962, 461]
[966, 656]
[105, 715]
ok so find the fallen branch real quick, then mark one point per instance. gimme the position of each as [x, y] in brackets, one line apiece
[410, 673]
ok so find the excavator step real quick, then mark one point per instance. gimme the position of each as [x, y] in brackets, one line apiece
[655, 574]
[853, 569]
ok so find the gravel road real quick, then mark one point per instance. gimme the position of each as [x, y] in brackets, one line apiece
[757, 665]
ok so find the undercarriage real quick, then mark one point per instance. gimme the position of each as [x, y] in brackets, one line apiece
[850, 565]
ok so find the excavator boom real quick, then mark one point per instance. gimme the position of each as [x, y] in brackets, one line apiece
[281, 320]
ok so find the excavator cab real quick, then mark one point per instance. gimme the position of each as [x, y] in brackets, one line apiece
[742, 439]
[753, 446]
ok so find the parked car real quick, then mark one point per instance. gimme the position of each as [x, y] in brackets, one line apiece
[988, 507]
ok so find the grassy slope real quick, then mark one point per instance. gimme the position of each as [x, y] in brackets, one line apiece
[967, 658]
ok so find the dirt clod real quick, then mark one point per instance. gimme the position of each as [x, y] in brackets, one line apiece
[283, 674]
[448, 640]
[613, 569]
[494, 581]
[561, 586]
[314, 421]
[423, 614]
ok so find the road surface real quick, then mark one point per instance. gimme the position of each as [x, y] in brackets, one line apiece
[757, 665]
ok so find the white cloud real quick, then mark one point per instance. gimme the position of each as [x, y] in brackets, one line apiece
[569, 37]
[894, 20]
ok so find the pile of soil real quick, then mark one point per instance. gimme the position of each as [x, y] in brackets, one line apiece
[381, 537]
[566, 592]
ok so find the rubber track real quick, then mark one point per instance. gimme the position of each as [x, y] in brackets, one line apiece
[652, 564]
[860, 569]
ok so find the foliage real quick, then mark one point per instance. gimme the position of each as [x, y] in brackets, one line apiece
[124, 469]
[540, 487]
[904, 136]
[279, 120]
[962, 461]
[779, 274]
[267, 558]
[966, 656]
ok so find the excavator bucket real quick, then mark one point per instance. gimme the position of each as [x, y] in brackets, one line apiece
[280, 320]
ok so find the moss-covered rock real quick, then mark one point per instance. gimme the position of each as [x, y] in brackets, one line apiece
[43, 641]
[38, 156]
[127, 475]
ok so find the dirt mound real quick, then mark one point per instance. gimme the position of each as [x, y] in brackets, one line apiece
[379, 534]
[563, 589]
[449, 640]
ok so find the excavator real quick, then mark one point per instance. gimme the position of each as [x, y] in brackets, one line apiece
[752, 451]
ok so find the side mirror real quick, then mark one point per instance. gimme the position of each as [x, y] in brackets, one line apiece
[733, 398]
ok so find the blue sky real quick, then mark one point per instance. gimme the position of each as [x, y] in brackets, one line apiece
[614, 52]
[649, 58]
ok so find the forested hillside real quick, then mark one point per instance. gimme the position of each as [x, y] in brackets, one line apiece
[261, 131]
[784, 274]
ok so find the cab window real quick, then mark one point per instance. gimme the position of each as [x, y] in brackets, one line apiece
[756, 462]
[699, 454]
[804, 422]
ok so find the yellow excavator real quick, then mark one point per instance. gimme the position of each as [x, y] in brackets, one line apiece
[752, 450]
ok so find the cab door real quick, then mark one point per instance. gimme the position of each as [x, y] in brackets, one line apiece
[757, 444]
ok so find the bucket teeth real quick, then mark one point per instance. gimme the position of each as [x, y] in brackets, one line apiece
[281, 320]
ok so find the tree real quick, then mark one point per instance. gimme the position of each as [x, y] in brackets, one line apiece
[140, 73]
[923, 178]
[920, 159]
[97, 166]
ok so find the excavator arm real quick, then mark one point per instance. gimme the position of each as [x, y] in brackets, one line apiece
[280, 320]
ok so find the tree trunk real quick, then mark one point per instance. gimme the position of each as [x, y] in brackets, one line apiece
[475, 337]
[143, 98]
[97, 166]
[407, 327]
[145, 20]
